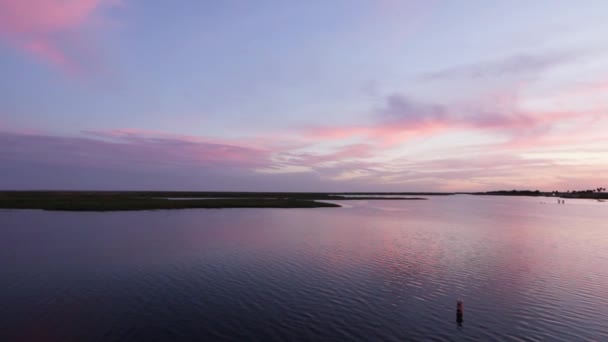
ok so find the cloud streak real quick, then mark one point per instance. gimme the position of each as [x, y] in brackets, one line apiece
[526, 65]
[128, 153]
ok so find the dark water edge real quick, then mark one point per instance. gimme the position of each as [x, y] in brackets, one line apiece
[374, 270]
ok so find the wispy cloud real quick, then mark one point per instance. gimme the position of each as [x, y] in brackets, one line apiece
[43, 28]
[307, 161]
[526, 65]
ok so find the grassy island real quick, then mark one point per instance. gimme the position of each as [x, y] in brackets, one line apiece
[151, 200]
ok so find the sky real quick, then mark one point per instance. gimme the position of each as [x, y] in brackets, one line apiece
[341, 95]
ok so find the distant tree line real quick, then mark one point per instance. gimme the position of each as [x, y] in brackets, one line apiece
[597, 193]
[587, 191]
[515, 192]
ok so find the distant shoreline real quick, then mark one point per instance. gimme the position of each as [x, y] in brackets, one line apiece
[556, 194]
[163, 200]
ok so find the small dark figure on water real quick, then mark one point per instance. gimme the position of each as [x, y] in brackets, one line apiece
[459, 311]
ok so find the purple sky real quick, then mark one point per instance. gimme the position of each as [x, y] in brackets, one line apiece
[341, 95]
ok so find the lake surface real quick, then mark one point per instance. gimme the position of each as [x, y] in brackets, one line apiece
[371, 271]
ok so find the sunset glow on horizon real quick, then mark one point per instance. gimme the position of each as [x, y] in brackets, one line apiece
[303, 96]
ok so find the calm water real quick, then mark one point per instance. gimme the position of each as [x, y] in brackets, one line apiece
[375, 270]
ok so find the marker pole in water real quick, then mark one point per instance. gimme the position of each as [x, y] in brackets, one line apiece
[459, 311]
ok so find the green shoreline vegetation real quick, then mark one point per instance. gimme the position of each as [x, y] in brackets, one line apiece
[153, 200]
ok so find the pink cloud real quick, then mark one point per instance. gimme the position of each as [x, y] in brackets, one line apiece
[349, 167]
[500, 113]
[384, 131]
[43, 16]
[337, 133]
[265, 143]
[48, 52]
[400, 119]
[128, 152]
[581, 134]
[39, 27]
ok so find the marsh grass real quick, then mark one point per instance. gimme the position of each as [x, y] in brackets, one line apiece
[151, 200]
